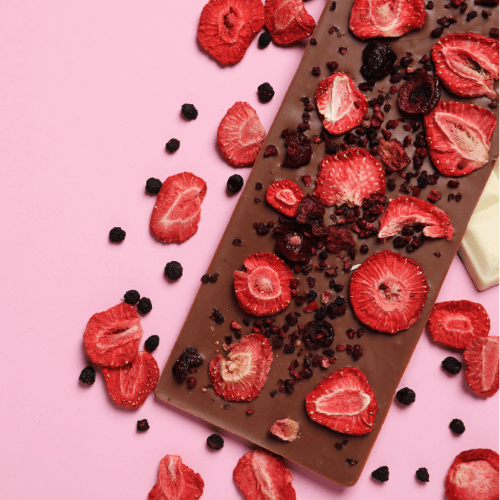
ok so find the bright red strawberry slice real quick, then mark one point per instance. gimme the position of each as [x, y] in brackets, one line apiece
[388, 292]
[112, 337]
[284, 196]
[242, 375]
[227, 28]
[459, 137]
[382, 18]
[456, 322]
[467, 64]
[344, 402]
[349, 177]
[176, 481]
[130, 385]
[409, 211]
[264, 288]
[340, 103]
[177, 211]
[473, 476]
[481, 356]
[261, 475]
[240, 135]
[288, 20]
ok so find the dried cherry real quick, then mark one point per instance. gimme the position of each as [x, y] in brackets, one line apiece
[298, 148]
[419, 94]
[318, 334]
[378, 60]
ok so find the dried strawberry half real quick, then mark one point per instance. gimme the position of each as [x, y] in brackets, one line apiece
[288, 20]
[265, 286]
[481, 356]
[382, 18]
[240, 135]
[284, 196]
[112, 337]
[242, 375]
[176, 480]
[261, 475]
[340, 104]
[393, 155]
[459, 137]
[410, 211]
[177, 211]
[388, 292]
[344, 402]
[227, 28]
[473, 476]
[130, 385]
[420, 94]
[286, 429]
[467, 64]
[349, 178]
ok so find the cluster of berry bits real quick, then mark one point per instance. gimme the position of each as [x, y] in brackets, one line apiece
[186, 365]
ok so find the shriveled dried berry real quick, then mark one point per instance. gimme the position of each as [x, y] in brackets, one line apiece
[422, 475]
[234, 183]
[294, 246]
[264, 39]
[117, 235]
[190, 358]
[152, 343]
[153, 185]
[420, 94]
[381, 474]
[189, 111]
[142, 425]
[87, 375]
[144, 305]
[318, 334]
[216, 316]
[270, 151]
[405, 396]
[451, 365]
[215, 442]
[131, 297]
[378, 59]
[298, 148]
[173, 270]
[172, 145]
[265, 92]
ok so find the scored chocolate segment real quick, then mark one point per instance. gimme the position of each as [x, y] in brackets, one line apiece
[385, 356]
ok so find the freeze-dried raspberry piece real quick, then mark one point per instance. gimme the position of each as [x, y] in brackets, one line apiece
[393, 155]
[481, 356]
[284, 196]
[298, 150]
[286, 429]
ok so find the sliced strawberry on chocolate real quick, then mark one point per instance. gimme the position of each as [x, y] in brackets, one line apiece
[393, 155]
[409, 211]
[288, 20]
[130, 385]
[459, 137]
[264, 288]
[284, 196]
[112, 337]
[467, 64]
[481, 356]
[388, 292]
[344, 402]
[227, 28]
[382, 18]
[177, 211]
[261, 475]
[340, 104]
[242, 375]
[285, 429]
[349, 177]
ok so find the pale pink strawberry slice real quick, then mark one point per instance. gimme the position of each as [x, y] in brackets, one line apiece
[344, 402]
[349, 177]
[285, 429]
[177, 211]
[242, 375]
[261, 475]
[112, 337]
[240, 135]
[481, 356]
[459, 137]
[340, 104]
[467, 64]
[409, 211]
[264, 288]
[388, 292]
[130, 385]
[284, 196]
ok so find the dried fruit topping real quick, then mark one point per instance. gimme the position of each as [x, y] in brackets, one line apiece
[481, 356]
[265, 92]
[286, 429]
[172, 145]
[215, 442]
[309, 210]
[87, 375]
[189, 111]
[318, 334]
[451, 365]
[338, 239]
[378, 60]
[294, 246]
[298, 149]
[405, 396]
[152, 343]
[457, 426]
[420, 94]
[153, 185]
[234, 183]
[132, 297]
[142, 425]
[117, 235]
[422, 475]
[381, 474]
[284, 196]
[393, 155]
[173, 270]
[189, 359]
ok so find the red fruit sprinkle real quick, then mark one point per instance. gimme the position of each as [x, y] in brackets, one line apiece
[288, 21]
[481, 356]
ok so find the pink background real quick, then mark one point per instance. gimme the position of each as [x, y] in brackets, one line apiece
[91, 92]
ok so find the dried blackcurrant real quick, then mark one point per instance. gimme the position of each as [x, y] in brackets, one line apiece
[420, 94]
[298, 148]
[378, 59]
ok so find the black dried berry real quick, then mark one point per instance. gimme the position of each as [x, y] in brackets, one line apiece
[190, 358]
[264, 40]
[422, 475]
[234, 183]
[451, 365]
[142, 425]
[153, 185]
[173, 270]
[215, 442]
[457, 426]
[189, 112]
[131, 297]
[318, 334]
[378, 59]
[216, 316]
[420, 94]
[152, 343]
[144, 305]
[87, 376]
[172, 145]
[117, 235]
[265, 92]
[381, 474]
[405, 396]
[298, 148]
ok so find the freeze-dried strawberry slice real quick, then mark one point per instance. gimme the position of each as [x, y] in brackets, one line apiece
[456, 322]
[265, 286]
[393, 155]
[177, 211]
[261, 475]
[481, 356]
[382, 18]
[409, 211]
[473, 476]
[240, 135]
[284, 196]
[130, 385]
[349, 177]
[340, 104]
[344, 402]
[112, 337]
[227, 28]
[176, 481]
[388, 292]
[459, 137]
[242, 375]
[467, 64]
[286, 429]
[288, 20]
